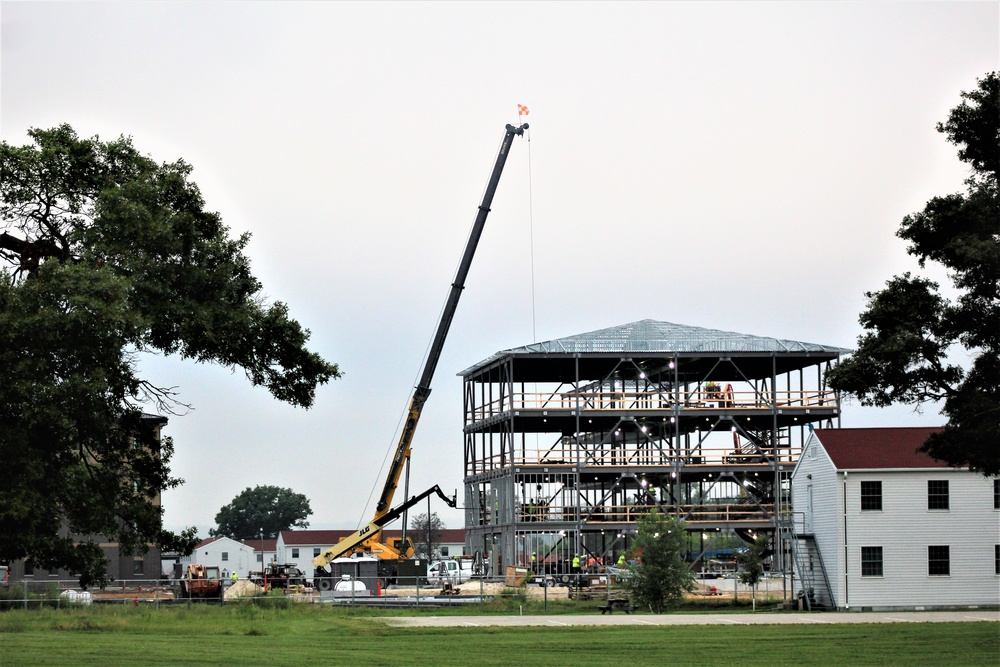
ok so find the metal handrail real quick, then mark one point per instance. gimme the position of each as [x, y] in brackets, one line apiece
[607, 401]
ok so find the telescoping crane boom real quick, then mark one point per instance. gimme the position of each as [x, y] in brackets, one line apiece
[368, 539]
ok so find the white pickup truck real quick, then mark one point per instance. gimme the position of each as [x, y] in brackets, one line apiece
[450, 571]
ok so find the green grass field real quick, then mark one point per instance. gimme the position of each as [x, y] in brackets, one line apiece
[247, 635]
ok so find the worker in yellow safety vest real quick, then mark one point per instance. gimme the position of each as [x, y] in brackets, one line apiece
[576, 563]
[235, 577]
[621, 559]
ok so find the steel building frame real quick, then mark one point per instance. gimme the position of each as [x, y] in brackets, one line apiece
[568, 442]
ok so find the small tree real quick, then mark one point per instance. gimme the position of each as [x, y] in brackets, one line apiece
[267, 509]
[751, 563]
[662, 576]
[426, 533]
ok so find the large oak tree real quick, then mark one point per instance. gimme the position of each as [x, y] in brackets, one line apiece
[262, 509]
[106, 254]
[918, 345]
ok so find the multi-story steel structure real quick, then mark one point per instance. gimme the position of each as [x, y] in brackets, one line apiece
[569, 441]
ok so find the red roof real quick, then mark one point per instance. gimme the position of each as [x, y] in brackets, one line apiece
[453, 535]
[869, 448]
[205, 542]
[311, 537]
[258, 545]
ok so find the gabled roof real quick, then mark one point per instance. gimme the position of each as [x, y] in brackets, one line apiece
[877, 448]
[651, 336]
[212, 540]
[205, 542]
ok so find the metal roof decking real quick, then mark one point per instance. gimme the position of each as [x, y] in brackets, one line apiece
[653, 337]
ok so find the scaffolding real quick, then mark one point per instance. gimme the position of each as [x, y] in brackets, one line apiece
[568, 442]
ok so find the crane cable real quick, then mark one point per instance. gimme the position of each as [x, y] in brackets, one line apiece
[531, 252]
[531, 239]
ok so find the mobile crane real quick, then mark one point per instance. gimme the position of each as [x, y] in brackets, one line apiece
[367, 540]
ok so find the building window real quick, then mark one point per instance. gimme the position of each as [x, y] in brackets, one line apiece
[871, 496]
[871, 561]
[939, 561]
[29, 569]
[260, 558]
[225, 555]
[937, 494]
[53, 571]
[137, 566]
[996, 559]
[295, 552]
[444, 552]
[316, 551]
[996, 494]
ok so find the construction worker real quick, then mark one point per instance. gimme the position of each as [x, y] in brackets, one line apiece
[576, 563]
[621, 559]
[534, 562]
[235, 576]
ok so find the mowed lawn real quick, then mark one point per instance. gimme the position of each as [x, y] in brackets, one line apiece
[246, 635]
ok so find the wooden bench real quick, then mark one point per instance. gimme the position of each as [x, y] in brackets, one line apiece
[621, 604]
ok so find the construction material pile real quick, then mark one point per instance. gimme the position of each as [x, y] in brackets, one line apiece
[242, 588]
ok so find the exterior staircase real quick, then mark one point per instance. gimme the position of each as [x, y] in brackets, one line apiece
[813, 585]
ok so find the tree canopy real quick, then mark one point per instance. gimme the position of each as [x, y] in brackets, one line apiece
[270, 509]
[662, 576]
[106, 254]
[920, 346]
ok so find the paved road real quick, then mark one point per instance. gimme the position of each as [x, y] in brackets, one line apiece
[819, 618]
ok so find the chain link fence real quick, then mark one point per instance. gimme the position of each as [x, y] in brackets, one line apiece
[520, 588]
[345, 590]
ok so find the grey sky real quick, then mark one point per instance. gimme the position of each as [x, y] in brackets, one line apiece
[740, 166]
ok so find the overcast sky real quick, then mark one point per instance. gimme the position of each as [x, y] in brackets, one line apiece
[777, 144]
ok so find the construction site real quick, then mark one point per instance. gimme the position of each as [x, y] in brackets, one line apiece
[569, 441]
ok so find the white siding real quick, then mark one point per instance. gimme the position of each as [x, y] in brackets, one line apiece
[304, 560]
[454, 549]
[905, 528]
[827, 509]
[239, 557]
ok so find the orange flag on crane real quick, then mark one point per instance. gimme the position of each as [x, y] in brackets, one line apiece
[522, 110]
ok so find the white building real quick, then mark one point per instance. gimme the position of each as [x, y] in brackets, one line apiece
[894, 528]
[228, 554]
[301, 546]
